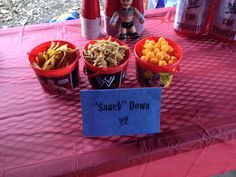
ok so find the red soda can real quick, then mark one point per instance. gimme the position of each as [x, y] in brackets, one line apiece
[192, 16]
[223, 24]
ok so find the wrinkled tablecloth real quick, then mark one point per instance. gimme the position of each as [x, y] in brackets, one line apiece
[41, 135]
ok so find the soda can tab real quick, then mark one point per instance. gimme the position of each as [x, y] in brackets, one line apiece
[192, 16]
[223, 25]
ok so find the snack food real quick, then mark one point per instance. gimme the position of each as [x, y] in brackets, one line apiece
[57, 56]
[105, 62]
[105, 53]
[49, 61]
[159, 53]
[157, 60]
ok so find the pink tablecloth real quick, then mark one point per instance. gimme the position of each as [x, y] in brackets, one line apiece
[41, 135]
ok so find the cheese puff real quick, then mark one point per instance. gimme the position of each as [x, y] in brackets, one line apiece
[150, 46]
[166, 56]
[171, 62]
[161, 39]
[154, 61]
[148, 51]
[150, 55]
[164, 48]
[152, 42]
[170, 49]
[156, 50]
[160, 56]
[144, 58]
[162, 63]
[157, 45]
[145, 51]
[164, 43]
[147, 41]
[173, 58]
[145, 45]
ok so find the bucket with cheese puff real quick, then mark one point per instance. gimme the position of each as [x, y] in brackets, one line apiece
[157, 60]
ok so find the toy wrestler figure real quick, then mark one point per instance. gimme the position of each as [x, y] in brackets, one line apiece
[126, 15]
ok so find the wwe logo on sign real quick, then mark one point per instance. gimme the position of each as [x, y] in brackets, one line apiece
[124, 121]
[108, 80]
[193, 4]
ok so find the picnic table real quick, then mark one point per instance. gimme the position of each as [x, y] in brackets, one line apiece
[41, 135]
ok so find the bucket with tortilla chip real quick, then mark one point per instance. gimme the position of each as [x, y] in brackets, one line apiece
[55, 64]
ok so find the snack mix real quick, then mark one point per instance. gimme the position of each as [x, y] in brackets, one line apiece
[105, 53]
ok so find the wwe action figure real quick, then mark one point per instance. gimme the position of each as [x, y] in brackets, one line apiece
[126, 15]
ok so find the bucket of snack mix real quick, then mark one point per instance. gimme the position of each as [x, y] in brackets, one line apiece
[106, 61]
[157, 60]
[55, 64]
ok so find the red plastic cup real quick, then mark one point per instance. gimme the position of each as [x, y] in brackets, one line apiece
[139, 5]
[107, 78]
[91, 19]
[91, 9]
[59, 80]
[149, 75]
[110, 7]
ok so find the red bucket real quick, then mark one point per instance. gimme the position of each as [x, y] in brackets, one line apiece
[58, 80]
[106, 78]
[150, 75]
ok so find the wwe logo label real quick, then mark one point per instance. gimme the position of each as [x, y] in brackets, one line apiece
[193, 4]
[108, 80]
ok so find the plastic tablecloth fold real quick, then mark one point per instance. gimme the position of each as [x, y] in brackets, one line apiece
[41, 135]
